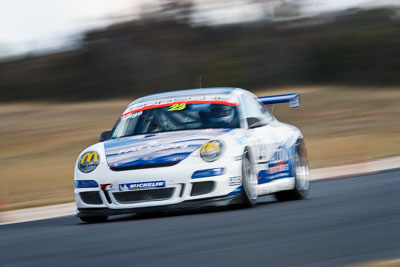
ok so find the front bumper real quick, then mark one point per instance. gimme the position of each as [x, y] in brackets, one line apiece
[189, 204]
[178, 187]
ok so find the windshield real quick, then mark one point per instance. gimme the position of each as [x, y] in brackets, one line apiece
[176, 117]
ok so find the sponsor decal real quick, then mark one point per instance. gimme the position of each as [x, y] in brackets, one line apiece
[177, 107]
[162, 148]
[210, 147]
[280, 155]
[89, 156]
[211, 151]
[275, 171]
[186, 102]
[133, 115]
[234, 181]
[141, 185]
[88, 162]
[154, 146]
[279, 167]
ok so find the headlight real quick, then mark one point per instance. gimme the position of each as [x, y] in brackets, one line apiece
[88, 161]
[211, 151]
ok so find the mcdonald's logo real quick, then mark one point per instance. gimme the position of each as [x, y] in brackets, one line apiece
[211, 150]
[88, 162]
[211, 147]
[89, 156]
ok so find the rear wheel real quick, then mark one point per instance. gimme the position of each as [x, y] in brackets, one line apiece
[302, 179]
[249, 182]
[95, 219]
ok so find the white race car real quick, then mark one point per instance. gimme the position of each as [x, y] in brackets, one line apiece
[192, 148]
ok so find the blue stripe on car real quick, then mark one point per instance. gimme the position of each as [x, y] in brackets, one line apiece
[236, 191]
[208, 173]
[86, 184]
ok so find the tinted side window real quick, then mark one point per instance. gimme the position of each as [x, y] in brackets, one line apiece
[253, 109]
[267, 114]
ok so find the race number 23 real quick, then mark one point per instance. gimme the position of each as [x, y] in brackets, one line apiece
[176, 107]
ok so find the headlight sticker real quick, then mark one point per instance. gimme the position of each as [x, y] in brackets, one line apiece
[211, 151]
[88, 161]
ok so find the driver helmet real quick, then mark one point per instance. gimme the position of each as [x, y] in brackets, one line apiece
[222, 113]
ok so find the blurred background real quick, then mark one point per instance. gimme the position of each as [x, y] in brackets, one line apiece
[68, 69]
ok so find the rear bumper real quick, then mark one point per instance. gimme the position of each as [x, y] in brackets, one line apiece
[190, 204]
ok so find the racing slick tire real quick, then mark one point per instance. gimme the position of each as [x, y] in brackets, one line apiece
[94, 219]
[249, 182]
[302, 177]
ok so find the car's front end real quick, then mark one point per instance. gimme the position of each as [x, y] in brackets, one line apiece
[159, 171]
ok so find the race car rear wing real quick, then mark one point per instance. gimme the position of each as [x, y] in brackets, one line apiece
[293, 99]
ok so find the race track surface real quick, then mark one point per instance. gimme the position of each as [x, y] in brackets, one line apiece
[342, 222]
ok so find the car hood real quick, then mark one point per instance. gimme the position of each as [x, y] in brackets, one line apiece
[156, 149]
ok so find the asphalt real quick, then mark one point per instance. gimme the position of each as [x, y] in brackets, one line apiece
[343, 222]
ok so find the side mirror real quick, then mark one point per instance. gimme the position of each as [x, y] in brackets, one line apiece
[104, 136]
[254, 123]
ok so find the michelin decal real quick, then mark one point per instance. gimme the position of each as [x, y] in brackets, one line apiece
[141, 185]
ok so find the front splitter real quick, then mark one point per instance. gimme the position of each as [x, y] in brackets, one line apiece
[190, 204]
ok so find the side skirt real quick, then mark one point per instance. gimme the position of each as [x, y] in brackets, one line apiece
[276, 185]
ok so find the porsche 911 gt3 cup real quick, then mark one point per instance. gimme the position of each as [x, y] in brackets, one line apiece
[192, 148]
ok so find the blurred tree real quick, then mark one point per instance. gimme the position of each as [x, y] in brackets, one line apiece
[287, 9]
[139, 57]
[5, 51]
[279, 8]
[179, 10]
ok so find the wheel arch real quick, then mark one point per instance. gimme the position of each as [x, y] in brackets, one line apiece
[250, 153]
[302, 149]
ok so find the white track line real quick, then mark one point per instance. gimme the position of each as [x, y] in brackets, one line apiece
[39, 213]
[355, 169]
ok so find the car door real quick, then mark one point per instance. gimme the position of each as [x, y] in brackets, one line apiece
[263, 138]
[267, 142]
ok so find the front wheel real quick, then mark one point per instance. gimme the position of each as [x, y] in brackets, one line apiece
[302, 178]
[249, 182]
